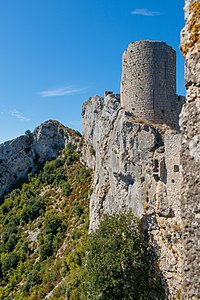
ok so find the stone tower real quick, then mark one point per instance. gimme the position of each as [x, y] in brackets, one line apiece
[148, 85]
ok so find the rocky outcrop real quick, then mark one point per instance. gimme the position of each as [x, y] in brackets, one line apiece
[190, 152]
[22, 155]
[137, 166]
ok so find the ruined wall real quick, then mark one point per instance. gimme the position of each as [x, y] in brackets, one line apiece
[164, 213]
[190, 152]
[148, 86]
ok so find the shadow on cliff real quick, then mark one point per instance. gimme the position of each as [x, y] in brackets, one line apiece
[20, 181]
[157, 284]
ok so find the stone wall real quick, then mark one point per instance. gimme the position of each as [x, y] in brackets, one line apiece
[148, 85]
[190, 152]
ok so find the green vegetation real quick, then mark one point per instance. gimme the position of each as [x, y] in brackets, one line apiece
[46, 248]
[43, 227]
[117, 262]
[27, 132]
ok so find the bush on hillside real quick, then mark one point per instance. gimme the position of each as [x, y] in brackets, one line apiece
[117, 262]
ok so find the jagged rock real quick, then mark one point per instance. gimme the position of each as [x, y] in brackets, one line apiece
[16, 159]
[190, 152]
[48, 139]
[136, 166]
[21, 155]
[137, 145]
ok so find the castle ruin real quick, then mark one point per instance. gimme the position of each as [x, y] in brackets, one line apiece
[148, 85]
[137, 144]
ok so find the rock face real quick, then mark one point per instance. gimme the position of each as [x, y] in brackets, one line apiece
[142, 162]
[20, 156]
[137, 166]
[134, 147]
[190, 152]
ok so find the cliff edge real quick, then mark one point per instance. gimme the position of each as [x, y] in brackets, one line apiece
[190, 151]
[136, 165]
[22, 155]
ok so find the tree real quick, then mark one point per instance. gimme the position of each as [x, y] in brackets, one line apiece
[27, 132]
[9, 261]
[46, 249]
[32, 280]
[116, 264]
[53, 223]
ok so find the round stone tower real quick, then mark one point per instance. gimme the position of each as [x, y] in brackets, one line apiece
[148, 85]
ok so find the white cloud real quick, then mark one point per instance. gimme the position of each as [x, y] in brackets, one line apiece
[145, 12]
[19, 115]
[60, 92]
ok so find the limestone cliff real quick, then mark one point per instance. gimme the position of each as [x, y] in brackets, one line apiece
[151, 167]
[20, 156]
[137, 166]
[190, 152]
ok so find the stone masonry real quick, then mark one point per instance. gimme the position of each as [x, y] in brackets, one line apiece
[148, 85]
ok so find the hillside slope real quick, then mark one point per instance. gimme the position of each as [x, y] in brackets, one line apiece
[42, 226]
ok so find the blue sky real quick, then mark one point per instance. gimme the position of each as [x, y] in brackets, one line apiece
[55, 54]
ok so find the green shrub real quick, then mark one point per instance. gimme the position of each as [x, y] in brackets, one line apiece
[9, 261]
[52, 223]
[12, 241]
[60, 176]
[70, 154]
[117, 265]
[7, 206]
[32, 209]
[35, 222]
[66, 188]
[46, 249]
[78, 210]
[83, 174]
[32, 280]
[10, 226]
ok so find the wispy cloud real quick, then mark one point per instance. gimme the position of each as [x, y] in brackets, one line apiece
[61, 92]
[19, 115]
[145, 12]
